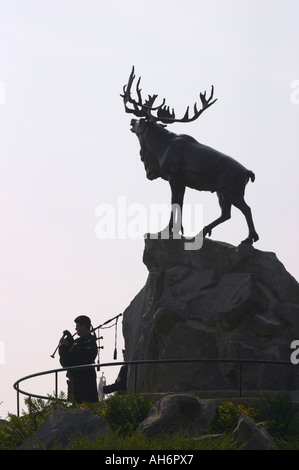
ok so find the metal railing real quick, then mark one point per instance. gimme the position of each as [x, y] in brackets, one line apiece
[239, 362]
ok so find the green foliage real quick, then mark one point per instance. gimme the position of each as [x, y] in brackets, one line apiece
[288, 443]
[137, 441]
[279, 413]
[276, 410]
[228, 415]
[15, 430]
[124, 412]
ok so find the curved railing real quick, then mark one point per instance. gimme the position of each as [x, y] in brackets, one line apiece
[137, 364]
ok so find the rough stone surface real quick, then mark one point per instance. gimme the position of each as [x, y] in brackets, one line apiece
[62, 425]
[181, 412]
[250, 437]
[218, 302]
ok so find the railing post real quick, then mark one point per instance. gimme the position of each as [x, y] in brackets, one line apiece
[135, 379]
[240, 379]
[56, 385]
[18, 401]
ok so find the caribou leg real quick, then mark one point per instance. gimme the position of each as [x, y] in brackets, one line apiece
[246, 211]
[225, 214]
[225, 202]
[177, 197]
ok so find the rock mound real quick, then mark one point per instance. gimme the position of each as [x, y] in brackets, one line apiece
[219, 302]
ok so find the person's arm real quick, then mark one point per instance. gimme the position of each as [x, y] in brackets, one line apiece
[120, 383]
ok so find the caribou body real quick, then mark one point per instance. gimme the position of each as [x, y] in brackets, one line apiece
[184, 162]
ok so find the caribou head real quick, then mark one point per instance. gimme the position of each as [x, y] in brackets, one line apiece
[152, 116]
[160, 113]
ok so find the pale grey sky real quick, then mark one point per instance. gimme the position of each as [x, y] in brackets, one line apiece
[66, 148]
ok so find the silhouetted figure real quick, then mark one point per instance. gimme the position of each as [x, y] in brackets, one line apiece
[121, 382]
[82, 386]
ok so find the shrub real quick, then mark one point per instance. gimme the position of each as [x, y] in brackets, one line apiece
[124, 412]
[279, 413]
[15, 430]
[228, 414]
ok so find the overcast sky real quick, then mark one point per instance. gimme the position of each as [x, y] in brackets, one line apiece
[66, 149]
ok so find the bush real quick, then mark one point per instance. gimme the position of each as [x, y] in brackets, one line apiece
[124, 412]
[228, 415]
[16, 430]
[279, 413]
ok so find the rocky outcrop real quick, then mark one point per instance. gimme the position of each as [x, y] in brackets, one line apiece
[193, 417]
[218, 302]
[174, 413]
[62, 425]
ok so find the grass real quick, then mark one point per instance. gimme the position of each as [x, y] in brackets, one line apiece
[137, 441]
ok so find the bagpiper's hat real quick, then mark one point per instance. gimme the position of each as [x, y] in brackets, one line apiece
[83, 319]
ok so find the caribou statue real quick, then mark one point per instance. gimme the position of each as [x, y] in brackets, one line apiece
[184, 162]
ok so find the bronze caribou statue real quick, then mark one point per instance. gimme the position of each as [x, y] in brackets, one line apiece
[182, 161]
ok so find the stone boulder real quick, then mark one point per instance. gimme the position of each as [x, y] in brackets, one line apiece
[218, 302]
[63, 425]
[179, 413]
[251, 437]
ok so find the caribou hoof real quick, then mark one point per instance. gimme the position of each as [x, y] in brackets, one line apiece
[252, 238]
[170, 233]
[206, 231]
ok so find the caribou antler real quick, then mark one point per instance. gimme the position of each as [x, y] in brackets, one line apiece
[127, 96]
[140, 109]
[163, 113]
[166, 117]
